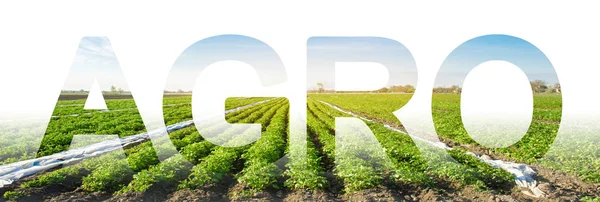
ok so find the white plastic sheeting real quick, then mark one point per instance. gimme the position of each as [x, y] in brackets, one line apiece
[524, 174]
[436, 144]
[12, 172]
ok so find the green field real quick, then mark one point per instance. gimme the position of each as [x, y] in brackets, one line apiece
[255, 171]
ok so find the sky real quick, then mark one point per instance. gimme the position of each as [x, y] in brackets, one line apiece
[531, 61]
[519, 52]
[324, 53]
[207, 52]
[95, 59]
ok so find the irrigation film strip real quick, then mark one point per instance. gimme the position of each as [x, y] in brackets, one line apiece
[12, 172]
[524, 174]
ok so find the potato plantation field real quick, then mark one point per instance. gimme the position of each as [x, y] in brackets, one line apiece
[268, 170]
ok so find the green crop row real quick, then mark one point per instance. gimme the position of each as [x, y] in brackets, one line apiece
[70, 107]
[213, 167]
[60, 130]
[241, 101]
[164, 175]
[111, 171]
[178, 113]
[304, 171]
[355, 173]
[175, 170]
[448, 122]
[260, 171]
[410, 167]
[21, 140]
[233, 117]
[112, 177]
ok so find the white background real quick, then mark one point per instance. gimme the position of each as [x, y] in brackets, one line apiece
[38, 40]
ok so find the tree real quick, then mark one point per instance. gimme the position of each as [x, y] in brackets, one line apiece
[402, 89]
[455, 89]
[113, 89]
[321, 89]
[557, 87]
[550, 89]
[383, 90]
[451, 89]
[538, 86]
[409, 88]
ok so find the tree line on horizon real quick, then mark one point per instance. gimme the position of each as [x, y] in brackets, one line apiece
[537, 86]
[114, 90]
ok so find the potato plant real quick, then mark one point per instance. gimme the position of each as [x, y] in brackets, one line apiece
[410, 167]
[260, 171]
[220, 162]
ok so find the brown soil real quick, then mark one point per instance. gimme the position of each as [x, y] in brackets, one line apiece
[558, 186]
[564, 187]
[301, 195]
[197, 195]
[376, 194]
[79, 195]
